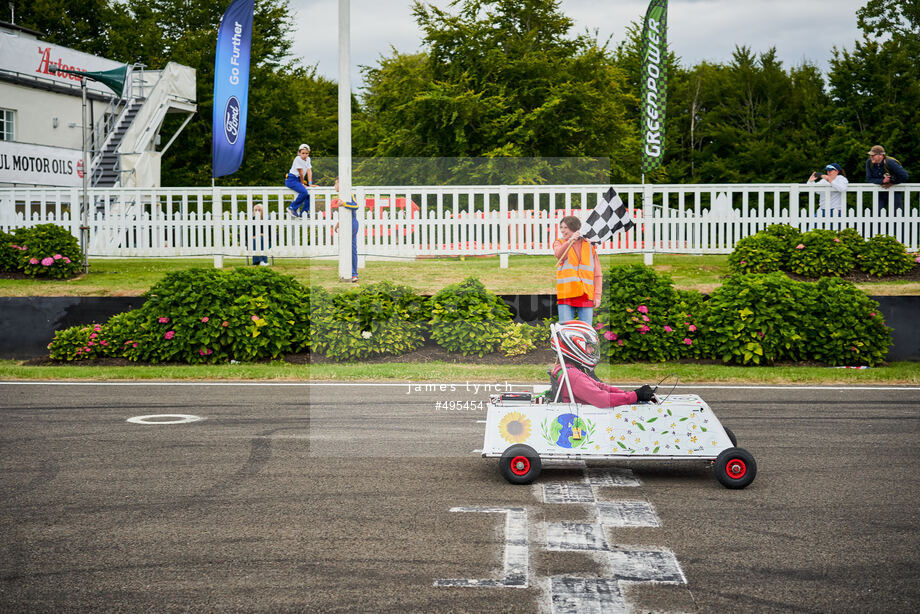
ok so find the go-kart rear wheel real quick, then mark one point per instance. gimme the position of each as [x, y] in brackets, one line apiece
[731, 436]
[520, 464]
[735, 468]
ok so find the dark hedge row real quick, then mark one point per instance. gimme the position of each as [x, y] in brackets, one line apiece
[210, 316]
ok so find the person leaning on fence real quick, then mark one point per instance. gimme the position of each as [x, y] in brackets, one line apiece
[579, 280]
[578, 344]
[835, 179]
[885, 171]
[299, 178]
[351, 205]
[258, 237]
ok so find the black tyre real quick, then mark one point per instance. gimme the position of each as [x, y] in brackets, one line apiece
[520, 464]
[731, 436]
[735, 468]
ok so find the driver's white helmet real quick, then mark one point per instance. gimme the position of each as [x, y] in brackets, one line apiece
[578, 343]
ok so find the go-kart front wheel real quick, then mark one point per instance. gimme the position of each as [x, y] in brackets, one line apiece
[520, 464]
[735, 468]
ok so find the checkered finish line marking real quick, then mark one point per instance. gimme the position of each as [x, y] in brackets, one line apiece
[580, 595]
[516, 551]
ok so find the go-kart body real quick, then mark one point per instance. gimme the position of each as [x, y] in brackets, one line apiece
[524, 429]
[680, 427]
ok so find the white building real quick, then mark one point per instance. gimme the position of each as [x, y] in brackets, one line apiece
[41, 124]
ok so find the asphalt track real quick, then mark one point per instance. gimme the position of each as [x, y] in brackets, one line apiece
[338, 498]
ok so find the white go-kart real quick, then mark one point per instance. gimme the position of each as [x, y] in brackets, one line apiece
[524, 429]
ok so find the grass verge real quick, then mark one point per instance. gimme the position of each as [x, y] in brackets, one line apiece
[524, 275]
[898, 373]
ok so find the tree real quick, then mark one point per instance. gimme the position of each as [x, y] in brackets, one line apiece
[81, 25]
[498, 79]
[876, 87]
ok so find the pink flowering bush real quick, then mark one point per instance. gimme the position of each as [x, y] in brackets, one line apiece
[46, 250]
[818, 253]
[203, 316]
[639, 314]
[80, 343]
[821, 255]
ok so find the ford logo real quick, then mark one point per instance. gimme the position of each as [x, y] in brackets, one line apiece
[232, 120]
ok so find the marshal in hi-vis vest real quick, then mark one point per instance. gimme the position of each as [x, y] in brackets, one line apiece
[575, 276]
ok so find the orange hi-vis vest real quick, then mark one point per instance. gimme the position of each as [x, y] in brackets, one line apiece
[575, 276]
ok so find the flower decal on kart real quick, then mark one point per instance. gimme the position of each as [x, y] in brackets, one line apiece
[514, 427]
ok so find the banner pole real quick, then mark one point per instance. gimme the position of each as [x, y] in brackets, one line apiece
[84, 213]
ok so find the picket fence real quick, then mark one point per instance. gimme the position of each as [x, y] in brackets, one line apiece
[428, 221]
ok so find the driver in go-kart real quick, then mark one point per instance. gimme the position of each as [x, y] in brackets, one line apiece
[578, 344]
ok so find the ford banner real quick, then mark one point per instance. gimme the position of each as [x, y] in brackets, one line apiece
[231, 88]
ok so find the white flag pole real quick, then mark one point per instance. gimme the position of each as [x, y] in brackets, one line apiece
[344, 139]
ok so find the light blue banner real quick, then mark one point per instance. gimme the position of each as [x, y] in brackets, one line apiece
[231, 88]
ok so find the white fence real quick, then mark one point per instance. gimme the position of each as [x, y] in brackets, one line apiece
[420, 221]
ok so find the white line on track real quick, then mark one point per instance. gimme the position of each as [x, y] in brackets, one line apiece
[404, 384]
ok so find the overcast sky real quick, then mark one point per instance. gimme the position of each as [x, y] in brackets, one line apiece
[698, 29]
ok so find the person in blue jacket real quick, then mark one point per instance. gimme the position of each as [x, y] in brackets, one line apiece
[885, 172]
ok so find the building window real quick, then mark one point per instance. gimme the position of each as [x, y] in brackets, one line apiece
[7, 123]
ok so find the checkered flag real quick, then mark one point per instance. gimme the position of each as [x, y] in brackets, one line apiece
[607, 219]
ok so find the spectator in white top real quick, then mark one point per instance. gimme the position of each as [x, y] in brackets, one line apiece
[299, 178]
[834, 178]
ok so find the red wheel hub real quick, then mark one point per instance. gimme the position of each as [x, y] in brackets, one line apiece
[520, 465]
[735, 468]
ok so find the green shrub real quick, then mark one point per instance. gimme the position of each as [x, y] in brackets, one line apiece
[884, 255]
[845, 326]
[642, 317]
[9, 251]
[540, 333]
[789, 237]
[517, 340]
[50, 251]
[468, 319]
[382, 318]
[788, 233]
[852, 239]
[821, 252]
[754, 319]
[759, 253]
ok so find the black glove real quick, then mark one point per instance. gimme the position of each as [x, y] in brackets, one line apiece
[645, 394]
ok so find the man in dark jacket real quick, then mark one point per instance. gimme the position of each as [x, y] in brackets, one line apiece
[886, 172]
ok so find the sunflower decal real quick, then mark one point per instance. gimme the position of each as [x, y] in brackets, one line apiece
[514, 427]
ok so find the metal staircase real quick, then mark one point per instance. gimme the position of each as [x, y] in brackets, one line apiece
[106, 169]
[128, 153]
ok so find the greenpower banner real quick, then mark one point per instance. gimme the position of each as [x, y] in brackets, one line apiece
[654, 80]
